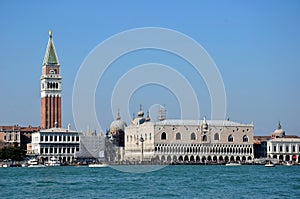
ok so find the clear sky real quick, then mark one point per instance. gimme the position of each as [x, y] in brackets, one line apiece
[255, 45]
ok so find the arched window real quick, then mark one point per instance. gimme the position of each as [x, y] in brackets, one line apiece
[245, 138]
[204, 138]
[178, 136]
[193, 136]
[163, 136]
[216, 136]
[230, 138]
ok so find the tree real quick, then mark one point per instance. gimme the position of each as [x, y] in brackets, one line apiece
[13, 153]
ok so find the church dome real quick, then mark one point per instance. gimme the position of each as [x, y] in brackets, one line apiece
[117, 124]
[279, 132]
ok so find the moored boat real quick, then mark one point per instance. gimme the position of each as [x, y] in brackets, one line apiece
[233, 164]
[289, 164]
[101, 165]
[53, 162]
[269, 164]
[34, 163]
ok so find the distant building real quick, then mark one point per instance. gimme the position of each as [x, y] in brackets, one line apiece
[282, 147]
[16, 135]
[169, 141]
[260, 146]
[55, 142]
[50, 88]
[91, 147]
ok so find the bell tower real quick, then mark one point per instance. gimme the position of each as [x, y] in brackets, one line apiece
[50, 88]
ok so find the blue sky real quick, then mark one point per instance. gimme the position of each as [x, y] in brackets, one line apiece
[255, 45]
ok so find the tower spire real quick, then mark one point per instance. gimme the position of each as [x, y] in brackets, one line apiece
[50, 55]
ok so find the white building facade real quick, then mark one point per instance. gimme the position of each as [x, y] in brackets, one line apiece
[284, 149]
[56, 142]
[201, 141]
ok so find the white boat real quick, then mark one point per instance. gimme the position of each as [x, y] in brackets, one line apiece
[53, 162]
[233, 164]
[269, 164]
[34, 163]
[101, 165]
[289, 164]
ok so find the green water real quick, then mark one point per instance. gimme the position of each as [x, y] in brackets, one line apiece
[168, 182]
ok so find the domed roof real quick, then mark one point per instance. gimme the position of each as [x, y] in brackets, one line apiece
[117, 124]
[279, 132]
[141, 113]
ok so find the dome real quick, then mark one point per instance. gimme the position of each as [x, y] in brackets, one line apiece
[141, 113]
[117, 125]
[279, 132]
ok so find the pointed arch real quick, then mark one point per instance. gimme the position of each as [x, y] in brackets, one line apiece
[230, 138]
[193, 136]
[163, 136]
[216, 136]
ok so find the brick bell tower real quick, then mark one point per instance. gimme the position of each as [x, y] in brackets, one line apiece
[50, 88]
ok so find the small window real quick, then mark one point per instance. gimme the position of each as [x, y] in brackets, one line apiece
[245, 138]
[178, 136]
[204, 138]
[286, 149]
[193, 136]
[230, 138]
[274, 148]
[163, 136]
[280, 148]
[216, 136]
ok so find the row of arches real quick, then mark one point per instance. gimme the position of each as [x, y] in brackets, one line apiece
[202, 149]
[204, 137]
[201, 159]
[52, 85]
[286, 157]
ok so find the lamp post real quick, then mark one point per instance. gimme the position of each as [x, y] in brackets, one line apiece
[142, 141]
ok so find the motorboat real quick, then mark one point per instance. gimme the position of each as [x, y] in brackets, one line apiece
[100, 165]
[233, 164]
[269, 164]
[53, 162]
[34, 163]
[289, 164]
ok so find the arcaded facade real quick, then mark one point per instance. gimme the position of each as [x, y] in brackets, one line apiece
[201, 141]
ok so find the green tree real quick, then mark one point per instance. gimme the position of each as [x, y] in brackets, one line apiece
[13, 153]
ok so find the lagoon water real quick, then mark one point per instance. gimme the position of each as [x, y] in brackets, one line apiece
[193, 181]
